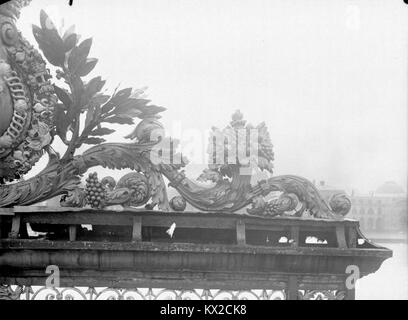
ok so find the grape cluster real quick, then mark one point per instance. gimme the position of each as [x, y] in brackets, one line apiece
[95, 191]
[272, 208]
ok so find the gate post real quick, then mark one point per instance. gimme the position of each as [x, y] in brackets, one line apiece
[292, 288]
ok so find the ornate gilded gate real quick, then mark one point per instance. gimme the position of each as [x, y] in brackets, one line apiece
[239, 244]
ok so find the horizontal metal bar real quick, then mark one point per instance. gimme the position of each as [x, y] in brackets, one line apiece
[165, 220]
[23, 244]
[247, 218]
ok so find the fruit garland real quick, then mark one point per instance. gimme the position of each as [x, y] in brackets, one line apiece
[33, 100]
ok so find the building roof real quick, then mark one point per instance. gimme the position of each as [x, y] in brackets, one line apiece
[389, 188]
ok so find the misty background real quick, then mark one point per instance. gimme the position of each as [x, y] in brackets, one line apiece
[329, 78]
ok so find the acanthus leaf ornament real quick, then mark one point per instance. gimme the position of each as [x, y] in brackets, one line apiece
[131, 190]
[38, 110]
[233, 191]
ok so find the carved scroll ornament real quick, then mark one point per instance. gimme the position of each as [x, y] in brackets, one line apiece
[37, 110]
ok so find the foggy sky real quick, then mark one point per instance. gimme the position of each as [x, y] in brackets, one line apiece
[329, 78]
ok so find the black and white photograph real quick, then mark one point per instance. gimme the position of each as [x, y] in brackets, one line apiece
[211, 150]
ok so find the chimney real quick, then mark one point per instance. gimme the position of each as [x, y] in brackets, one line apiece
[322, 183]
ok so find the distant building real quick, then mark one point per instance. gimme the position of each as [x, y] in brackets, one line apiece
[382, 211]
[385, 210]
